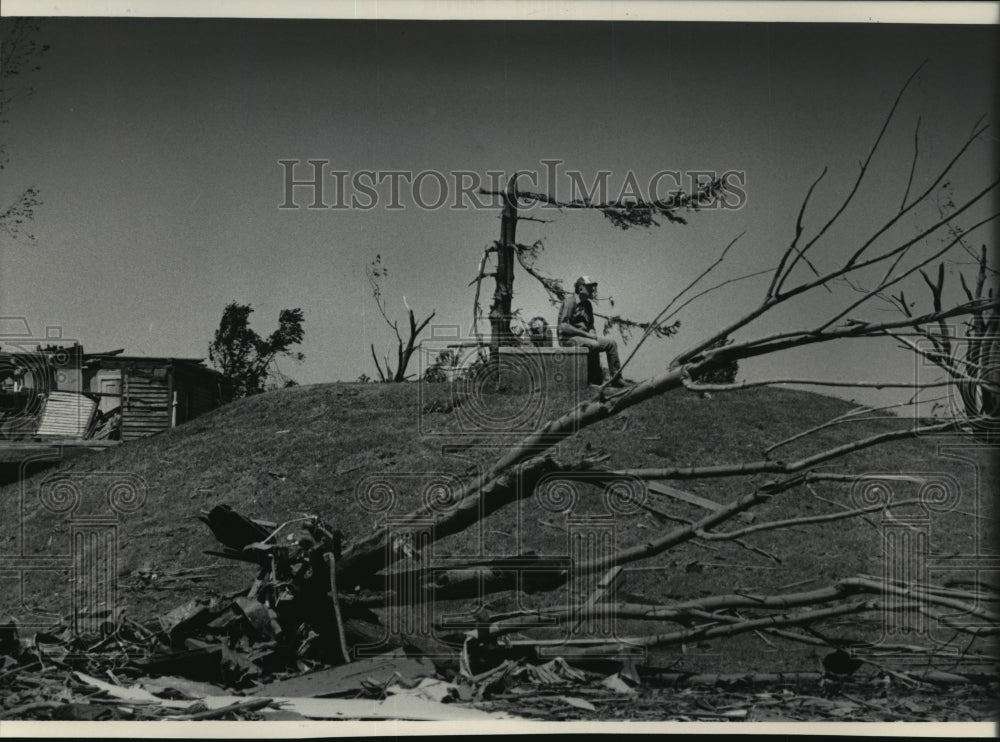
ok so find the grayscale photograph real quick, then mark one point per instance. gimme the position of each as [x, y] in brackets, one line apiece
[497, 372]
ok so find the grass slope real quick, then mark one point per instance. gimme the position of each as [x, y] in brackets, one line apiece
[305, 450]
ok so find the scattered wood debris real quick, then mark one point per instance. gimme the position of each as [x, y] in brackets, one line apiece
[292, 647]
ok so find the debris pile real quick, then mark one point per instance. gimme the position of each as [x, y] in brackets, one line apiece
[287, 647]
[292, 647]
[283, 648]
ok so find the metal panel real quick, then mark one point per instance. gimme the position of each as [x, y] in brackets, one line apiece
[65, 415]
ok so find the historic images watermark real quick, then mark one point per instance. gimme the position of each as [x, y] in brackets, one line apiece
[63, 523]
[30, 361]
[917, 509]
[499, 552]
[921, 509]
[549, 379]
[315, 184]
[423, 577]
[973, 363]
[81, 512]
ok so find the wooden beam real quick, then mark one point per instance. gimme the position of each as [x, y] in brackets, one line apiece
[55, 443]
[667, 491]
[341, 641]
[605, 590]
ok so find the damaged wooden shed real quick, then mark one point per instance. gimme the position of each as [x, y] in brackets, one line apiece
[153, 394]
[65, 395]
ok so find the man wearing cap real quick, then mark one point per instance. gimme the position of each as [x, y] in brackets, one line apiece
[576, 327]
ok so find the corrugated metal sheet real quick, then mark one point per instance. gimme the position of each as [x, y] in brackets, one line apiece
[65, 415]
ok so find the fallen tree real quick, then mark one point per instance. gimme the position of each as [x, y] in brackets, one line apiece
[871, 269]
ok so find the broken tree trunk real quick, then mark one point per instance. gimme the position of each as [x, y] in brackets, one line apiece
[500, 310]
[475, 500]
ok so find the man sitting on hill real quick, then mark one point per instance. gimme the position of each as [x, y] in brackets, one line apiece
[576, 327]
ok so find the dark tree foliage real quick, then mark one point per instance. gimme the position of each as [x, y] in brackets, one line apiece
[249, 360]
[723, 374]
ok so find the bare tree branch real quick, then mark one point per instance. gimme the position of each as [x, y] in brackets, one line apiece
[697, 387]
[793, 249]
[800, 254]
[847, 417]
[804, 520]
[663, 316]
[886, 283]
[706, 632]
[785, 467]
[374, 272]
[381, 375]
[913, 164]
[521, 467]
[710, 610]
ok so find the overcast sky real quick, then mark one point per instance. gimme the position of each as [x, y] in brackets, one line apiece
[156, 144]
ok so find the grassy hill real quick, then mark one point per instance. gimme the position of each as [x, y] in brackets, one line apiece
[305, 450]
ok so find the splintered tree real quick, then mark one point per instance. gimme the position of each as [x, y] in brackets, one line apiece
[623, 214]
[376, 271]
[879, 263]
